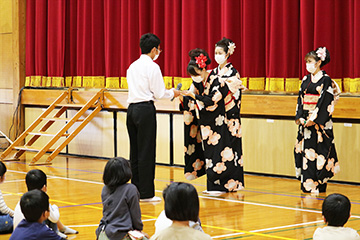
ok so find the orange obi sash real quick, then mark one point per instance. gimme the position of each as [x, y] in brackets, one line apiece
[310, 101]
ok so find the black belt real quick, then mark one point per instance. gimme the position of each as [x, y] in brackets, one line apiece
[145, 102]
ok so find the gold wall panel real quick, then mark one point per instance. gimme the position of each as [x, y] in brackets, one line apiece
[6, 111]
[179, 139]
[162, 138]
[6, 61]
[97, 138]
[268, 146]
[6, 11]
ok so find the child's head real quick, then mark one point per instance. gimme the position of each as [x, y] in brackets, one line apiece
[35, 206]
[336, 209]
[2, 171]
[181, 202]
[149, 41]
[320, 57]
[117, 172]
[36, 179]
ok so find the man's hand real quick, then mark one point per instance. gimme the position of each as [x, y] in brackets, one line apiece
[176, 92]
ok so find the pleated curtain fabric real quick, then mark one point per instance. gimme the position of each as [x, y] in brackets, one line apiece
[91, 43]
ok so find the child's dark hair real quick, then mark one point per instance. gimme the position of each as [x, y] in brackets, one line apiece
[224, 44]
[314, 55]
[181, 202]
[192, 66]
[35, 179]
[3, 169]
[336, 209]
[148, 41]
[33, 204]
[117, 172]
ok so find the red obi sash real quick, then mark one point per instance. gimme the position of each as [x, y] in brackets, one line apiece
[310, 101]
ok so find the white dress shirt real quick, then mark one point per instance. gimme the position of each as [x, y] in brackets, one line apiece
[335, 233]
[145, 81]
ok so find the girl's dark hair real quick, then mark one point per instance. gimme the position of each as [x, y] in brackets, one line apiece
[117, 172]
[181, 202]
[314, 55]
[2, 169]
[192, 66]
[148, 41]
[224, 44]
[336, 209]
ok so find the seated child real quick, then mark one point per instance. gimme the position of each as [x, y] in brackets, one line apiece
[35, 207]
[6, 214]
[181, 206]
[336, 212]
[163, 222]
[36, 179]
[121, 208]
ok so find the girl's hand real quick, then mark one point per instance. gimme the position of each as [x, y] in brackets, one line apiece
[188, 93]
[300, 121]
[309, 123]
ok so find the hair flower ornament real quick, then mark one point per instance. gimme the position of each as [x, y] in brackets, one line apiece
[201, 60]
[231, 48]
[321, 53]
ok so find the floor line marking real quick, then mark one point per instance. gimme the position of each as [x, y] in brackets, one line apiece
[79, 205]
[287, 226]
[212, 198]
[79, 226]
[204, 197]
[17, 180]
[247, 232]
[267, 205]
[227, 235]
[195, 184]
[272, 228]
[152, 217]
[95, 225]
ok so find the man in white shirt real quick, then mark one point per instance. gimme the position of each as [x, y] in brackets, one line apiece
[145, 84]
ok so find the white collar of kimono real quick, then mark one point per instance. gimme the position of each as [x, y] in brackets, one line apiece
[224, 69]
[315, 78]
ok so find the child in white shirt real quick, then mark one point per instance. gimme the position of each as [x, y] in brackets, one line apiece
[36, 179]
[336, 212]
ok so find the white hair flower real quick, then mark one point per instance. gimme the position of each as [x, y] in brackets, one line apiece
[231, 48]
[321, 53]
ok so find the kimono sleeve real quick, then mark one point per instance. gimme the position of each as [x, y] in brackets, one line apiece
[325, 105]
[218, 92]
[188, 103]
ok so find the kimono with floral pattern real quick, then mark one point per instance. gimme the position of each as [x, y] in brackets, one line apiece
[315, 155]
[213, 131]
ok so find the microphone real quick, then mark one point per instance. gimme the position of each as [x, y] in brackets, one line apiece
[178, 87]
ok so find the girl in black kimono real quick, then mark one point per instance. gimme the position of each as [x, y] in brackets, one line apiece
[212, 127]
[315, 155]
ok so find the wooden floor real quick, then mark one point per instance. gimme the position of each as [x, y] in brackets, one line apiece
[268, 208]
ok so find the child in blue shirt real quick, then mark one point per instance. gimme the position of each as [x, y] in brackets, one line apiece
[35, 207]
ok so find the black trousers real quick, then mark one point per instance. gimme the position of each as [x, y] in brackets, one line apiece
[141, 125]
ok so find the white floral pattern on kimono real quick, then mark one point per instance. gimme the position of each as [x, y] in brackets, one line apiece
[219, 154]
[314, 151]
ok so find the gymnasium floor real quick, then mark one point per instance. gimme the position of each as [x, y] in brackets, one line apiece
[268, 208]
